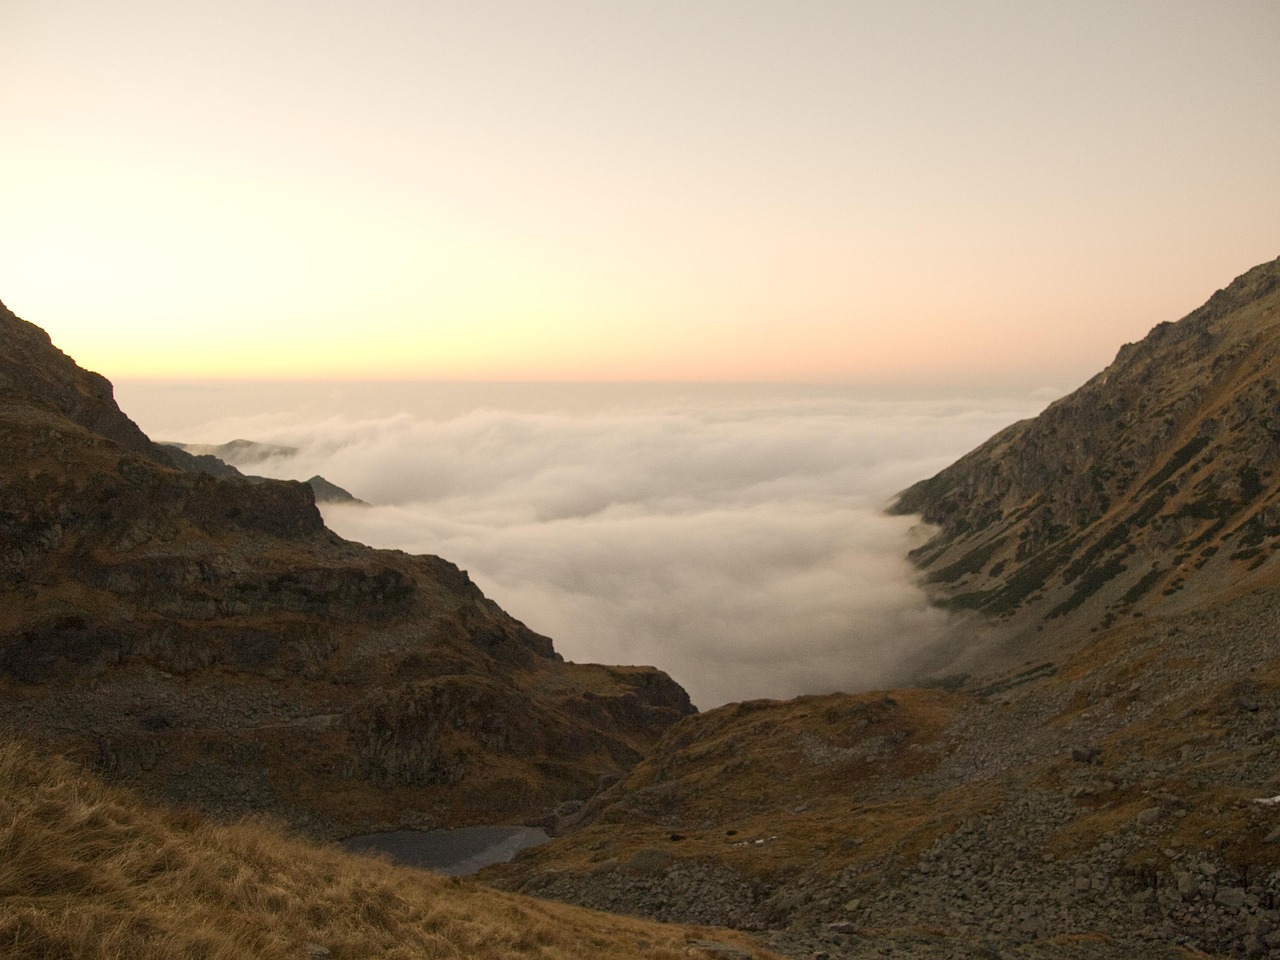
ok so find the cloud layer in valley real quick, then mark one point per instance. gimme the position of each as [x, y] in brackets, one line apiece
[742, 547]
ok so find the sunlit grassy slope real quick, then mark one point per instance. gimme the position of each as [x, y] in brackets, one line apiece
[88, 871]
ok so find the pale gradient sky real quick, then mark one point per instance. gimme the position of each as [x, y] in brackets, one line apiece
[870, 192]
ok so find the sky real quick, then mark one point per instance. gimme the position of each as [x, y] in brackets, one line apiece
[905, 192]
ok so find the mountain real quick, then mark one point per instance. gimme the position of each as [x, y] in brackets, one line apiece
[35, 372]
[210, 459]
[1117, 802]
[326, 492]
[240, 451]
[1152, 487]
[1104, 781]
[1105, 785]
[210, 640]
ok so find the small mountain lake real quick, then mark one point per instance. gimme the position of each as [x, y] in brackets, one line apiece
[452, 852]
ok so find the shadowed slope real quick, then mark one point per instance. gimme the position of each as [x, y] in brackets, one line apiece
[212, 640]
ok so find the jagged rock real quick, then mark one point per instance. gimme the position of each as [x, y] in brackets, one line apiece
[1230, 897]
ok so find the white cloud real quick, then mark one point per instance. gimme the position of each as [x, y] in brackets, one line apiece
[740, 547]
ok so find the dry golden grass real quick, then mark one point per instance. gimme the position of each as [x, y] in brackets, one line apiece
[88, 871]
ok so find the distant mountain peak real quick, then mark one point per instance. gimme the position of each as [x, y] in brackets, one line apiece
[213, 460]
[239, 451]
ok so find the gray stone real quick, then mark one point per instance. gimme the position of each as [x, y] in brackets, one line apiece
[1188, 885]
[1230, 897]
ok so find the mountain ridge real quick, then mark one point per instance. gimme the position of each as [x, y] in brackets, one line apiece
[223, 647]
[210, 459]
[1152, 485]
[33, 368]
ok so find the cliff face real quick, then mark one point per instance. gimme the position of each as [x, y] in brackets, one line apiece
[211, 639]
[1152, 486]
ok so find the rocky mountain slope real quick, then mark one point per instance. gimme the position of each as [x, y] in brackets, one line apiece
[1108, 786]
[1111, 804]
[1153, 486]
[212, 641]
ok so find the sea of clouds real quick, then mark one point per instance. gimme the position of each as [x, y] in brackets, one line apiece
[736, 540]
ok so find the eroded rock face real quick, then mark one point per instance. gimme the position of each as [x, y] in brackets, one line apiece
[1154, 483]
[212, 640]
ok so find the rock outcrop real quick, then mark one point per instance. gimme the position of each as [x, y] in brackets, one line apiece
[212, 640]
[33, 370]
[1153, 486]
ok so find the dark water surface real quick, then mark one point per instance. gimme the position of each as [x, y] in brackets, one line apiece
[453, 852]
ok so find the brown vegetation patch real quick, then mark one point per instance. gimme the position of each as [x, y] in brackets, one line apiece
[768, 787]
[823, 838]
[88, 872]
